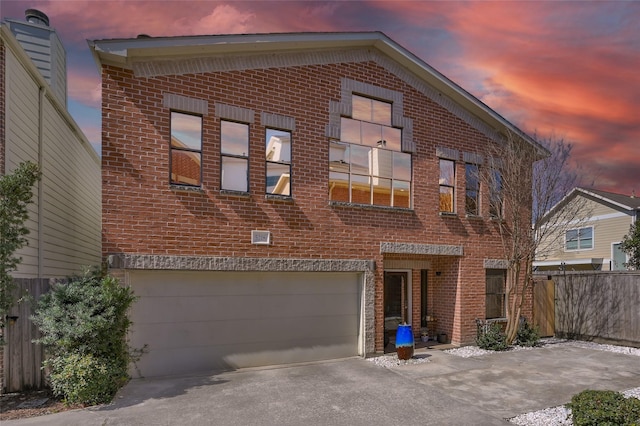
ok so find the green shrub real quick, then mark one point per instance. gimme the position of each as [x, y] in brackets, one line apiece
[492, 338]
[604, 408]
[84, 322]
[85, 379]
[527, 335]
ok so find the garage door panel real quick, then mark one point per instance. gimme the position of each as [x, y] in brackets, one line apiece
[200, 284]
[177, 309]
[202, 321]
[266, 331]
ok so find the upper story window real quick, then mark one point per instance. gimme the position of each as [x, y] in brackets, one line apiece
[447, 182]
[579, 239]
[278, 157]
[234, 139]
[185, 149]
[472, 190]
[367, 166]
[496, 204]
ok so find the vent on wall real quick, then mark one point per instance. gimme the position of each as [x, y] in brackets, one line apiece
[261, 237]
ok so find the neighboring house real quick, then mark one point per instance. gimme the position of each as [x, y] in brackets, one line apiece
[277, 198]
[65, 216]
[594, 242]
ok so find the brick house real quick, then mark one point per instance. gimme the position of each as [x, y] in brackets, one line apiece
[277, 198]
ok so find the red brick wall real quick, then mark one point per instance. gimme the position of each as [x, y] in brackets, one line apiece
[142, 215]
[2, 117]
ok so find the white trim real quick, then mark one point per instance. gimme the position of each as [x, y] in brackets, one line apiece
[584, 261]
[608, 200]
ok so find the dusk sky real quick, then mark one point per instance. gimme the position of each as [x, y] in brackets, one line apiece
[566, 70]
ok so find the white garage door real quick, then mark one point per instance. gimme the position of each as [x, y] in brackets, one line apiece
[199, 321]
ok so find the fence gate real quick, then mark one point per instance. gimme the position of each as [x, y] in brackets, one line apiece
[544, 306]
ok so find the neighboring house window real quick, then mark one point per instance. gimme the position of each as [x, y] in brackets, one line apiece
[496, 280]
[496, 205]
[367, 165]
[447, 180]
[579, 239]
[472, 193]
[186, 149]
[278, 157]
[235, 156]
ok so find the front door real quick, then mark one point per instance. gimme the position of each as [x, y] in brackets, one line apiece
[396, 305]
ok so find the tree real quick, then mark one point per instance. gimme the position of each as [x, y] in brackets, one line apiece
[524, 183]
[15, 196]
[631, 245]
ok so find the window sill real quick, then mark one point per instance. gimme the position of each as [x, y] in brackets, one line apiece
[370, 207]
[448, 214]
[281, 198]
[231, 193]
[473, 217]
[181, 188]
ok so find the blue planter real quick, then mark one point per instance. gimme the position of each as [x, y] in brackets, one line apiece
[404, 342]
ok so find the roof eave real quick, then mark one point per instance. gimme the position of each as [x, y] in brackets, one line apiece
[124, 52]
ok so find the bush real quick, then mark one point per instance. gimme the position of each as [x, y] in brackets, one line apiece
[85, 379]
[492, 339]
[527, 335]
[604, 408]
[84, 324]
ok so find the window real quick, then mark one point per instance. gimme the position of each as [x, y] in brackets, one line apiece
[235, 156]
[495, 293]
[471, 200]
[367, 166]
[447, 179]
[185, 149]
[496, 204]
[579, 239]
[278, 156]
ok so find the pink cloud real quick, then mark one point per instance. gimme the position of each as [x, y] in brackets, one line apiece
[84, 88]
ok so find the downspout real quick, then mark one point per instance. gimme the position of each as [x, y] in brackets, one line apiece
[40, 184]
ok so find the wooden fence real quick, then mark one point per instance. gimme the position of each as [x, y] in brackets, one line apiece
[22, 359]
[602, 306]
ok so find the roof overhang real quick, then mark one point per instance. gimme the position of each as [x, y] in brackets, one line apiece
[125, 52]
[595, 262]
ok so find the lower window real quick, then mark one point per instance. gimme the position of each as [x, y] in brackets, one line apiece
[496, 280]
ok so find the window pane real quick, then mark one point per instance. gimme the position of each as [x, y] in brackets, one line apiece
[235, 138]
[401, 194]
[372, 134]
[471, 202]
[338, 186]
[234, 174]
[278, 179]
[382, 160]
[360, 159]
[446, 172]
[185, 167]
[186, 131]
[401, 166]
[360, 189]
[381, 112]
[381, 192]
[392, 137]
[571, 238]
[278, 146]
[472, 176]
[446, 199]
[338, 157]
[361, 108]
[349, 130]
[586, 238]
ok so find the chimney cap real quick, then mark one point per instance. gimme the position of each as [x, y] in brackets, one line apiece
[34, 16]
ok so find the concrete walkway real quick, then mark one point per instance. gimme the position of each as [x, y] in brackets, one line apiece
[448, 390]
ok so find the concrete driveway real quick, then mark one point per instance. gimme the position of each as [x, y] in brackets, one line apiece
[447, 390]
